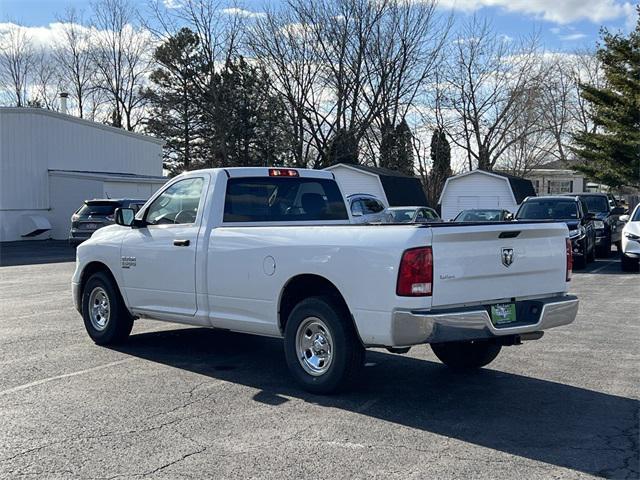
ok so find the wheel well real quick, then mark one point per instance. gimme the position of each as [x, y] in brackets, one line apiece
[94, 267]
[304, 286]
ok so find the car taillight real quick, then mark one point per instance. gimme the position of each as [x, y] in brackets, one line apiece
[415, 275]
[282, 172]
[569, 260]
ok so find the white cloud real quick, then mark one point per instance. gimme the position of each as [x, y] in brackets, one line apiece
[570, 37]
[241, 12]
[557, 11]
[172, 4]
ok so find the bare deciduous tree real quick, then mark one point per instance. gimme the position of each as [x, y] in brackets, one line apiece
[489, 78]
[45, 81]
[17, 57]
[74, 58]
[122, 56]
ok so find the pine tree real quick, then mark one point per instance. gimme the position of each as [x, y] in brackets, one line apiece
[244, 118]
[174, 111]
[611, 155]
[396, 148]
[440, 165]
[343, 148]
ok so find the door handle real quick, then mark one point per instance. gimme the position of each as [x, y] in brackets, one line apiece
[181, 243]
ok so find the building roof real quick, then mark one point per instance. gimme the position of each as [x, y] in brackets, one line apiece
[521, 187]
[123, 177]
[400, 189]
[82, 121]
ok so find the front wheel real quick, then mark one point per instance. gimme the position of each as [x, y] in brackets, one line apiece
[466, 355]
[105, 316]
[629, 264]
[322, 348]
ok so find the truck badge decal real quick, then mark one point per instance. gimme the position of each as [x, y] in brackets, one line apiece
[128, 262]
[507, 256]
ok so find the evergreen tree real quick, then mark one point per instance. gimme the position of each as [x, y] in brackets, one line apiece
[174, 110]
[343, 148]
[611, 155]
[396, 148]
[440, 165]
[244, 119]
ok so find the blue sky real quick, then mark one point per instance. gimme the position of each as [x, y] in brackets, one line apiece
[564, 25]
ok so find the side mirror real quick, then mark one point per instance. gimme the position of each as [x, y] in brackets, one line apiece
[508, 217]
[590, 216]
[624, 218]
[125, 216]
[617, 211]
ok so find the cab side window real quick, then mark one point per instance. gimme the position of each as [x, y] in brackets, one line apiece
[178, 204]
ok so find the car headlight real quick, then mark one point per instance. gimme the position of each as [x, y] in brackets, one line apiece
[631, 236]
[578, 232]
[598, 224]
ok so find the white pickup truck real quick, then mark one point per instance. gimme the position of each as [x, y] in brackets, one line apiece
[273, 251]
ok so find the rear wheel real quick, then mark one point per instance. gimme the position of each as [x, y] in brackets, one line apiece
[466, 355]
[322, 348]
[105, 316]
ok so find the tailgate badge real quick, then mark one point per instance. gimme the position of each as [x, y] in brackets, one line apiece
[507, 256]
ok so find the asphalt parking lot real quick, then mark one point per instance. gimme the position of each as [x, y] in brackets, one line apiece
[179, 402]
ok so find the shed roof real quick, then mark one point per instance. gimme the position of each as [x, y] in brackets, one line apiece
[401, 190]
[521, 187]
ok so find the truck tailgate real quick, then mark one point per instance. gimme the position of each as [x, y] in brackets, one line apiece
[484, 263]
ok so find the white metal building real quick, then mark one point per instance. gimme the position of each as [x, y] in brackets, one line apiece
[51, 162]
[482, 189]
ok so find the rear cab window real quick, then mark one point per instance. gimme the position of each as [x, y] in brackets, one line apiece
[282, 199]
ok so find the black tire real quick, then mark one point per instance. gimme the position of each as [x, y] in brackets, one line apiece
[347, 352]
[619, 246]
[463, 356]
[604, 250]
[629, 264]
[579, 263]
[591, 256]
[118, 323]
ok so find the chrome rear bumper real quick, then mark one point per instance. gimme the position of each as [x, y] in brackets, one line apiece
[416, 327]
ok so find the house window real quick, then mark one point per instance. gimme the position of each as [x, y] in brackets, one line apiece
[555, 187]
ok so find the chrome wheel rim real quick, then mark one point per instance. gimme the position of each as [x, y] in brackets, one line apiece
[314, 345]
[99, 308]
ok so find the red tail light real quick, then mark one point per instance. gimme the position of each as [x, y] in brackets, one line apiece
[569, 259]
[415, 275]
[282, 172]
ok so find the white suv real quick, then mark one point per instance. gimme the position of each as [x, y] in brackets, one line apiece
[631, 241]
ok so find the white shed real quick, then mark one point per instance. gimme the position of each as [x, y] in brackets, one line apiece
[51, 162]
[482, 189]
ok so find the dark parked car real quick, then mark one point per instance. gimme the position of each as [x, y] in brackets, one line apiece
[413, 215]
[483, 215]
[95, 214]
[571, 210]
[606, 222]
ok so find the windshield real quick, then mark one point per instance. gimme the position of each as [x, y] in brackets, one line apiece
[636, 215]
[102, 209]
[479, 216]
[596, 203]
[548, 210]
[404, 215]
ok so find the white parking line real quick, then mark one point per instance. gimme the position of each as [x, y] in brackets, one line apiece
[609, 263]
[66, 375]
